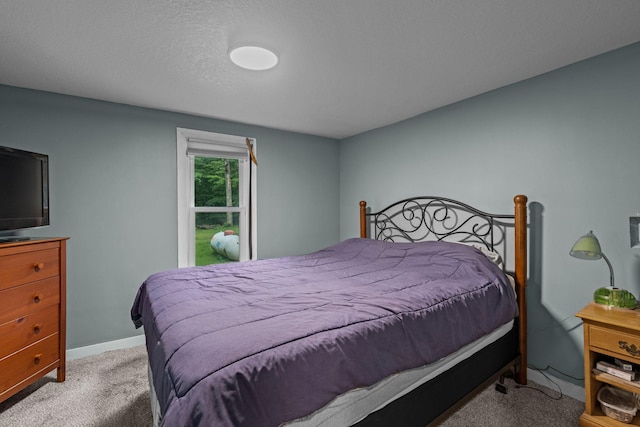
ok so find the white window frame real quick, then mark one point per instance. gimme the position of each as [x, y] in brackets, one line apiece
[214, 145]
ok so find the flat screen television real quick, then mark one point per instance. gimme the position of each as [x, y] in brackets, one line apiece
[24, 189]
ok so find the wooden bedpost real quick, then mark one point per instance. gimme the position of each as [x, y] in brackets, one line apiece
[363, 219]
[521, 281]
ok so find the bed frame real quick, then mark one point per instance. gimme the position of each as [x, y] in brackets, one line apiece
[439, 218]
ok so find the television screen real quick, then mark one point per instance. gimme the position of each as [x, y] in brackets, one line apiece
[24, 189]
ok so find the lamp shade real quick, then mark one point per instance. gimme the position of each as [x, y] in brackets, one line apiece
[587, 247]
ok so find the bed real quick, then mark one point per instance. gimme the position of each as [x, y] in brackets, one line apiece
[396, 327]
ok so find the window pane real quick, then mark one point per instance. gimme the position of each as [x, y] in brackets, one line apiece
[217, 237]
[216, 182]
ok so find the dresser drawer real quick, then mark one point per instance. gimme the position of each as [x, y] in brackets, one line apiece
[21, 300]
[27, 267]
[27, 362]
[26, 330]
[626, 345]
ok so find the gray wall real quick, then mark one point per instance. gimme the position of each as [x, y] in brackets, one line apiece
[569, 140]
[113, 192]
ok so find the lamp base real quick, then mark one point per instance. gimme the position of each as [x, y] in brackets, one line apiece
[615, 297]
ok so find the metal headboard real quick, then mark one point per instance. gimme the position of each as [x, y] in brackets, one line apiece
[438, 218]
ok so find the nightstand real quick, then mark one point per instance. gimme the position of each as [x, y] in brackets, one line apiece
[608, 332]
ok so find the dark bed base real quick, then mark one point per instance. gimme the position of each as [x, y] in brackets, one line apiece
[432, 401]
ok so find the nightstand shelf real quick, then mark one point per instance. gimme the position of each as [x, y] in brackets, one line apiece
[598, 418]
[608, 332]
[633, 387]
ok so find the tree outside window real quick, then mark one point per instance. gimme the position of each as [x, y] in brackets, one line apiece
[216, 184]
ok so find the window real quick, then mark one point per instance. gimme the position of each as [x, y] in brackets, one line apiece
[216, 198]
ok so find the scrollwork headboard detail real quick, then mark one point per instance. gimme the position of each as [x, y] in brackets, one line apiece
[437, 218]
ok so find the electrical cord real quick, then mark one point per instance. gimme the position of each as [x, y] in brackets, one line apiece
[559, 324]
[556, 370]
[560, 395]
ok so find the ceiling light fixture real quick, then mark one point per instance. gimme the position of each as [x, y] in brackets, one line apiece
[253, 58]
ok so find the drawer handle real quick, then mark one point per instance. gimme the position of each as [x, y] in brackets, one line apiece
[631, 349]
[37, 267]
[36, 299]
[36, 359]
[36, 329]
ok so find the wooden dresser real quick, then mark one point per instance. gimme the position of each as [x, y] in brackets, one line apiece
[32, 312]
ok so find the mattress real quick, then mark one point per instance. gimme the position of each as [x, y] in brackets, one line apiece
[353, 406]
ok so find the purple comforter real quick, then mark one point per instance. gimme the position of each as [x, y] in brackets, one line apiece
[263, 342]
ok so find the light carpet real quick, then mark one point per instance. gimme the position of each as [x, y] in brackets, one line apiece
[111, 389]
[532, 405]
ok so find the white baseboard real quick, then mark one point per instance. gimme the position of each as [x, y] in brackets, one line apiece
[567, 388]
[92, 350]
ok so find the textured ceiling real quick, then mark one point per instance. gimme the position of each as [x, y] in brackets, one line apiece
[346, 66]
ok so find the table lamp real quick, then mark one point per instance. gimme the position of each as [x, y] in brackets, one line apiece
[588, 248]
